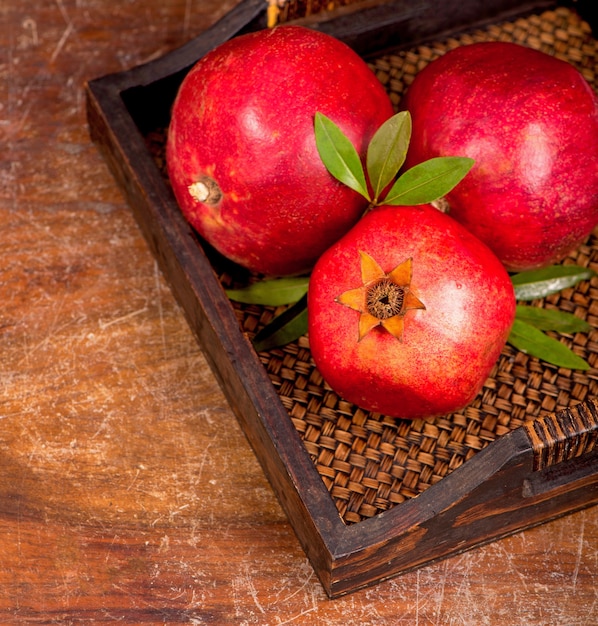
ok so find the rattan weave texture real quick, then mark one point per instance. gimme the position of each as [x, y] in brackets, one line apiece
[371, 462]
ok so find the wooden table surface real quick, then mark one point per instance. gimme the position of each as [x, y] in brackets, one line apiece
[128, 492]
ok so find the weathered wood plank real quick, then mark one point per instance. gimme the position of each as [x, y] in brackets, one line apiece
[128, 492]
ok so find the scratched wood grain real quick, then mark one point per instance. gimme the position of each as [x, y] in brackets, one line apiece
[128, 493]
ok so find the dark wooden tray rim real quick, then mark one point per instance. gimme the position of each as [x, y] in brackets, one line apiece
[526, 477]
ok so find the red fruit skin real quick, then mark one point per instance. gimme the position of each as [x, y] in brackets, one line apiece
[447, 350]
[530, 121]
[244, 116]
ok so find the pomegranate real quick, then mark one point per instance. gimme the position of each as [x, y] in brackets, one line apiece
[408, 313]
[530, 122]
[241, 152]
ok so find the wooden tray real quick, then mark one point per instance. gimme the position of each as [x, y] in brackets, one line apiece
[368, 496]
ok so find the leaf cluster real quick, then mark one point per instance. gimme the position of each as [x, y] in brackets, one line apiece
[527, 333]
[421, 184]
[386, 154]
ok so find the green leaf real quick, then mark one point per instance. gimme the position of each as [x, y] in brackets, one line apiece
[428, 181]
[339, 155]
[551, 319]
[387, 151]
[271, 292]
[539, 283]
[286, 327]
[534, 342]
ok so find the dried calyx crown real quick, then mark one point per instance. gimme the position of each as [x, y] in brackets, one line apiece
[382, 299]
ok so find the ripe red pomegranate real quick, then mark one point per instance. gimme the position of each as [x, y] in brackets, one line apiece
[530, 121]
[408, 313]
[241, 149]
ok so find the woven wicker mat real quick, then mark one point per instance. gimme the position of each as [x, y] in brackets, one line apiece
[370, 462]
